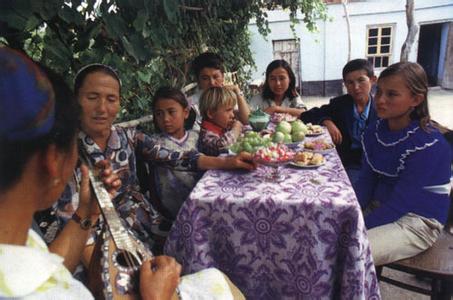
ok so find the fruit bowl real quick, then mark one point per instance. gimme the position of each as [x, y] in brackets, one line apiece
[272, 163]
[274, 155]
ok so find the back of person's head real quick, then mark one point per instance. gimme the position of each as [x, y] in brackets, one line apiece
[215, 97]
[356, 65]
[94, 68]
[417, 82]
[166, 92]
[37, 109]
[291, 91]
[207, 60]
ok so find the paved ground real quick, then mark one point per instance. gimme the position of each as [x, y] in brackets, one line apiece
[441, 110]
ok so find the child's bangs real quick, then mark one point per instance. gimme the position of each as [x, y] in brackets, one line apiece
[228, 98]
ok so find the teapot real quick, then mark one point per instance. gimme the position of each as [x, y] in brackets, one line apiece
[258, 120]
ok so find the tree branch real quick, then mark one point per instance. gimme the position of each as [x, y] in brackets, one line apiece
[191, 8]
[348, 26]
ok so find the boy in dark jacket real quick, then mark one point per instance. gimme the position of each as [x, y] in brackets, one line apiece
[347, 116]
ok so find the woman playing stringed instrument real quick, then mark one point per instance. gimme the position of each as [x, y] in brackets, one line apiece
[98, 88]
[38, 128]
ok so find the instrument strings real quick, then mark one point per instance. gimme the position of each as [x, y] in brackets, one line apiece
[110, 216]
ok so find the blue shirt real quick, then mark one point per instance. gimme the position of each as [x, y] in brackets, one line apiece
[359, 125]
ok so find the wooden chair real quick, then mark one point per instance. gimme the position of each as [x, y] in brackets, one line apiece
[436, 264]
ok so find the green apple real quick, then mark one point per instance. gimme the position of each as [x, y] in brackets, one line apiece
[298, 126]
[287, 138]
[298, 136]
[278, 137]
[284, 127]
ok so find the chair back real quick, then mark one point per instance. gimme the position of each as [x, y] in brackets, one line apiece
[449, 224]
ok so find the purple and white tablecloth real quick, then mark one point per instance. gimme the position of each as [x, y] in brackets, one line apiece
[299, 238]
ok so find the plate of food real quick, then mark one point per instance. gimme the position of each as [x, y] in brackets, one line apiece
[319, 145]
[314, 130]
[306, 159]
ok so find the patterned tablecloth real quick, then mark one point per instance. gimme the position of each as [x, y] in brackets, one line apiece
[299, 238]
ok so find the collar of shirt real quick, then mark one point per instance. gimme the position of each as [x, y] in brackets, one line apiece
[387, 151]
[113, 143]
[285, 102]
[194, 99]
[30, 268]
[175, 140]
[365, 112]
[210, 126]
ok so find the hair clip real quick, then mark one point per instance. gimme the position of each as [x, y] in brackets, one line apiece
[98, 65]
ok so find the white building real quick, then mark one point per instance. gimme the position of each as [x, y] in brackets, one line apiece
[378, 30]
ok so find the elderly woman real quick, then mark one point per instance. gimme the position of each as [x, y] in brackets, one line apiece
[38, 128]
[98, 88]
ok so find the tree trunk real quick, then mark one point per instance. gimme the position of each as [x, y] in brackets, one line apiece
[348, 26]
[411, 32]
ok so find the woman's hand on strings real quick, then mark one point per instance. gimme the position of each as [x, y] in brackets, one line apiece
[111, 180]
[159, 278]
[88, 205]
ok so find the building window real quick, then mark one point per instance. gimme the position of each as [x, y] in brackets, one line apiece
[289, 51]
[379, 45]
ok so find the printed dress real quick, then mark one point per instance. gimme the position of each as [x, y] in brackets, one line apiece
[132, 206]
[174, 186]
[215, 140]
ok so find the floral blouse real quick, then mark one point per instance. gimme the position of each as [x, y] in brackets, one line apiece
[214, 140]
[132, 206]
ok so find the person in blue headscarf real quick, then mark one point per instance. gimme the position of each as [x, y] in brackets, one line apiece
[38, 124]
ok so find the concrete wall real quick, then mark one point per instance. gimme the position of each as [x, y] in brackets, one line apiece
[324, 52]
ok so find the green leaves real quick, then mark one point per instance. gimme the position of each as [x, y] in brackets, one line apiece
[171, 10]
[135, 47]
[150, 42]
[115, 25]
[140, 21]
[70, 16]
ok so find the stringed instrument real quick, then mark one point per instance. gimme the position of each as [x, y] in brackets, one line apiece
[118, 255]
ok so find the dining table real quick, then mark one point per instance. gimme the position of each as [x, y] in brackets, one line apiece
[278, 232]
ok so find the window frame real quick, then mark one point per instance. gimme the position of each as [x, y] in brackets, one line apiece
[378, 54]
